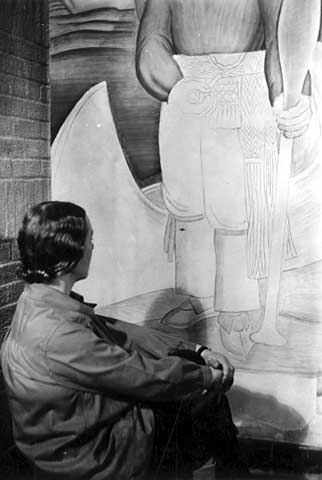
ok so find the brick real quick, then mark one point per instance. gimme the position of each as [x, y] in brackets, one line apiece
[36, 148]
[3, 208]
[35, 191]
[45, 26]
[11, 106]
[34, 168]
[46, 189]
[33, 91]
[19, 209]
[11, 209]
[27, 128]
[18, 168]
[8, 273]
[46, 168]
[15, 206]
[38, 73]
[44, 130]
[29, 194]
[5, 168]
[39, 190]
[14, 253]
[9, 294]
[6, 316]
[6, 20]
[25, 16]
[21, 48]
[28, 109]
[5, 126]
[19, 87]
[10, 85]
[5, 251]
[44, 94]
[20, 18]
[24, 114]
[27, 168]
[4, 41]
[35, 110]
[12, 65]
[12, 147]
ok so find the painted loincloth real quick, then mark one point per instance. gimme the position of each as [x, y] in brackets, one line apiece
[219, 155]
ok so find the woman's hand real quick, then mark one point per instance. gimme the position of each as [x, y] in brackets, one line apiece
[217, 383]
[295, 121]
[223, 369]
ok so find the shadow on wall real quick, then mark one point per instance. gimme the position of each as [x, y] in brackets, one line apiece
[261, 414]
[257, 415]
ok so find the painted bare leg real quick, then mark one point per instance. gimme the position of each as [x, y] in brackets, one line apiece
[236, 296]
[195, 273]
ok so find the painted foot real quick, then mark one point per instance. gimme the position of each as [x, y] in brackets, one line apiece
[186, 316]
[235, 330]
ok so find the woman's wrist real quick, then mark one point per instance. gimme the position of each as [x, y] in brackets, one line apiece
[200, 349]
[203, 352]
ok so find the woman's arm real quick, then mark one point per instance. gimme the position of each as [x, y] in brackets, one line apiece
[78, 358]
[148, 341]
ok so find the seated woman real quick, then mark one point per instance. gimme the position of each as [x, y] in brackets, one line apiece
[96, 398]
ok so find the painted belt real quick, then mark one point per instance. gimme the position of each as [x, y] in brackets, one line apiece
[217, 99]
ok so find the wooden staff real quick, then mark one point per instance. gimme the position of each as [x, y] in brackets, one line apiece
[298, 30]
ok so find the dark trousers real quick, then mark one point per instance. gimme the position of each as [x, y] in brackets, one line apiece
[189, 433]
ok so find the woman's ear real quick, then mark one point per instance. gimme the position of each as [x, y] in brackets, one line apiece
[140, 6]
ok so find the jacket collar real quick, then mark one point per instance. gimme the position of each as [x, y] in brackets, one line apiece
[45, 294]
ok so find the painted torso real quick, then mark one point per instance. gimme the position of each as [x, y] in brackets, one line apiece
[216, 26]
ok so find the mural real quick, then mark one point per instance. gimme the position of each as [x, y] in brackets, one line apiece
[94, 43]
[223, 103]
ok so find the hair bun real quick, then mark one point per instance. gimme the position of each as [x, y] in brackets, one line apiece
[33, 276]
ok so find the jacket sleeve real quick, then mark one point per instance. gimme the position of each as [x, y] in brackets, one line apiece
[77, 357]
[150, 342]
[156, 69]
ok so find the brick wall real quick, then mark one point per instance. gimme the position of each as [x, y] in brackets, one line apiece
[24, 129]
[24, 140]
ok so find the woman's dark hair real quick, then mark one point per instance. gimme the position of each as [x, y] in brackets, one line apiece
[51, 240]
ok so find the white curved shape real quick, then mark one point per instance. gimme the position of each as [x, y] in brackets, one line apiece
[89, 168]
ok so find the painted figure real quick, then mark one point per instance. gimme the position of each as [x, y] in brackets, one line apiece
[215, 66]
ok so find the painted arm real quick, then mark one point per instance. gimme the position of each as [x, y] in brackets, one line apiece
[298, 32]
[156, 69]
[270, 12]
[299, 21]
[140, 6]
[299, 25]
